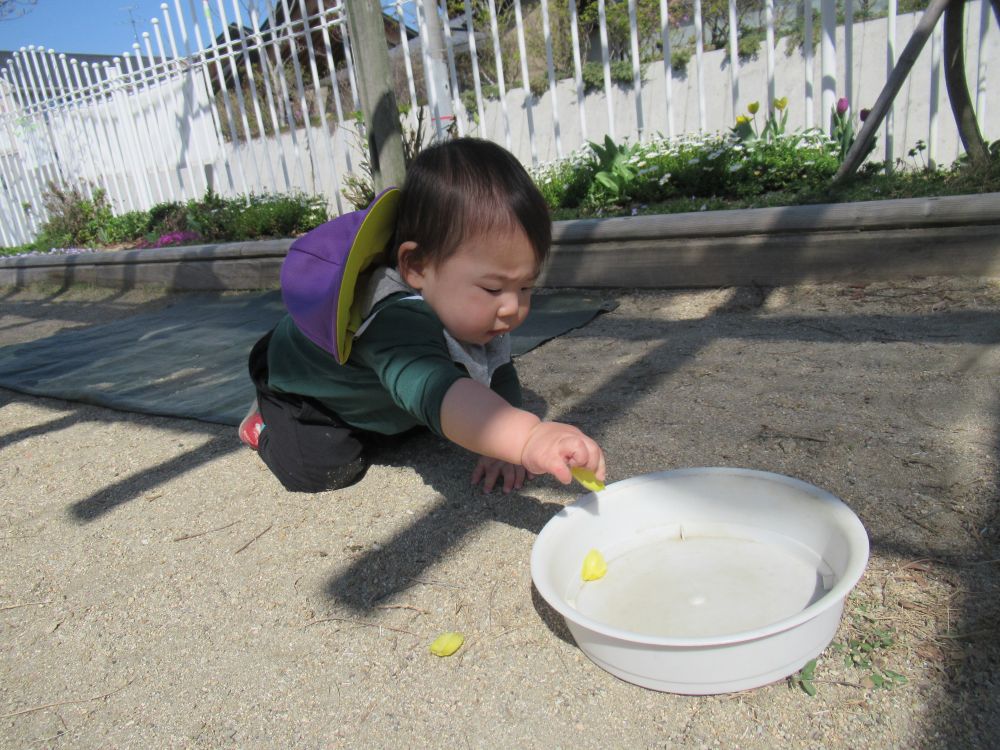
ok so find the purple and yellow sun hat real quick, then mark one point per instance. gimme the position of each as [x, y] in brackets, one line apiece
[320, 272]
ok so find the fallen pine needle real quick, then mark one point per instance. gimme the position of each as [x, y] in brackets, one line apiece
[843, 683]
[254, 539]
[66, 703]
[362, 622]
[510, 630]
[25, 604]
[971, 635]
[402, 606]
[207, 531]
[436, 583]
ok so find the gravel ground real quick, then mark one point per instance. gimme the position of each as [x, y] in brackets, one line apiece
[159, 589]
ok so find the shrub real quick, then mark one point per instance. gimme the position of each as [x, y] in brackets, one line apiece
[74, 220]
[679, 59]
[593, 74]
[724, 170]
[564, 183]
[711, 166]
[210, 217]
[79, 222]
[127, 227]
[276, 216]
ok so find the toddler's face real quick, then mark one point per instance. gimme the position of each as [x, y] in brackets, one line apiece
[483, 289]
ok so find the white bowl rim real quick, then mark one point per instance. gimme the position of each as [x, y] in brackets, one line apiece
[857, 561]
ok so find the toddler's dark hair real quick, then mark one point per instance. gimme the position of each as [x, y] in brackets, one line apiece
[466, 187]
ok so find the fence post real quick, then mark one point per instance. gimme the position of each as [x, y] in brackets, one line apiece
[384, 135]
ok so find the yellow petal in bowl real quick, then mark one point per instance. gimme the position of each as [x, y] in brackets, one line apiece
[587, 479]
[594, 566]
[447, 643]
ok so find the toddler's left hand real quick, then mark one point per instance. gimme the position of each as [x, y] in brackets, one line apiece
[490, 469]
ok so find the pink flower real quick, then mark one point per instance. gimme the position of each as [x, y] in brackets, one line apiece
[863, 114]
[843, 105]
[171, 238]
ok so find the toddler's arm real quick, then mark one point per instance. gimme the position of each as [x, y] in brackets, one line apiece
[478, 419]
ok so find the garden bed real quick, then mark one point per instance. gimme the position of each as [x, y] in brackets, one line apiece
[853, 242]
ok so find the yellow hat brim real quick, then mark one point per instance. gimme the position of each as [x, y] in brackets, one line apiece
[370, 243]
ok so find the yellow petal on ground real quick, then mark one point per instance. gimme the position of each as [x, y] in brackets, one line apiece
[447, 643]
[587, 479]
[594, 566]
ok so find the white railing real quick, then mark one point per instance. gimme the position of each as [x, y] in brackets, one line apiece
[662, 101]
[239, 104]
[220, 103]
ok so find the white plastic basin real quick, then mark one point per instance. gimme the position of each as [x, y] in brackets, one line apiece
[718, 579]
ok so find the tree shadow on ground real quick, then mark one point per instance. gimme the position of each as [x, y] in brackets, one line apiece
[971, 688]
[128, 488]
[973, 565]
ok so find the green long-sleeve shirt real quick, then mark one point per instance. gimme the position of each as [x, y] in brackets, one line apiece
[395, 378]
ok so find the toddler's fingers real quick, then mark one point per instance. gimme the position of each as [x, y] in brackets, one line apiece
[513, 478]
[586, 453]
[560, 470]
[490, 480]
[597, 462]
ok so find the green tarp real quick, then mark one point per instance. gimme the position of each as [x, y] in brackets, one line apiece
[189, 359]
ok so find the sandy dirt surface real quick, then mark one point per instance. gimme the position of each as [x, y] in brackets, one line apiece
[158, 588]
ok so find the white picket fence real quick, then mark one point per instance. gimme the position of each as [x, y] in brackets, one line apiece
[221, 103]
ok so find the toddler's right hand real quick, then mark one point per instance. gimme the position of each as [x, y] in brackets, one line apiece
[554, 448]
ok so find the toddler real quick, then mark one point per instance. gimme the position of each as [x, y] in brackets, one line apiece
[400, 317]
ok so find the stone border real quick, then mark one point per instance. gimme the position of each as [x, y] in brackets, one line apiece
[849, 242]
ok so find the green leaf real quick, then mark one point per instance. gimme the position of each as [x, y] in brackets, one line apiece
[809, 670]
[895, 676]
[624, 171]
[607, 181]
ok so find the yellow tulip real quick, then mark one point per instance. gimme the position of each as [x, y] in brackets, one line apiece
[742, 119]
[752, 107]
[780, 104]
[447, 643]
[594, 566]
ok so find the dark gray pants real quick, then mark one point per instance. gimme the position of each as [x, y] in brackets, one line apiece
[304, 444]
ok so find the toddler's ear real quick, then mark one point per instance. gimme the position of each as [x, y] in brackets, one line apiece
[410, 267]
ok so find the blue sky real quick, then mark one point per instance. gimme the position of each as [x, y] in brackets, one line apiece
[98, 26]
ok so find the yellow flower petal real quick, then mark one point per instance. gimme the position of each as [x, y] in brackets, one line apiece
[587, 479]
[447, 643]
[594, 566]
[752, 107]
[741, 119]
[781, 103]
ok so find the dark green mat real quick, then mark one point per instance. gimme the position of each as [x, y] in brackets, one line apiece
[190, 360]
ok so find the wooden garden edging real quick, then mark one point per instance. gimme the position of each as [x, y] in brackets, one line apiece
[847, 242]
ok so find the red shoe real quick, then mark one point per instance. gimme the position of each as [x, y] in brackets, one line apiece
[250, 428]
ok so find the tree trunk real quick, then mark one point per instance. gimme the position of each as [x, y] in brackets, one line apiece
[954, 78]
